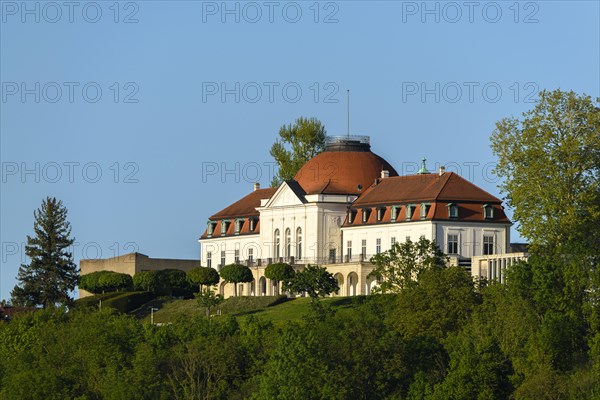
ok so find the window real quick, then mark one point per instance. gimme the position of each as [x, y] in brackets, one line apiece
[277, 243]
[351, 214]
[238, 226]
[224, 226]
[380, 212]
[392, 241]
[452, 210]
[378, 245]
[209, 259]
[424, 210]
[332, 256]
[394, 213]
[349, 251]
[410, 209]
[211, 228]
[288, 242]
[252, 224]
[299, 243]
[237, 256]
[222, 258]
[251, 255]
[488, 211]
[365, 215]
[364, 248]
[452, 244]
[488, 244]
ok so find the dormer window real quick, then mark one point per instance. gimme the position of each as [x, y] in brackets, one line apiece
[380, 212]
[252, 224]
[410, 209]
[452, 210]
[394, 213]
[488, 211]
[351, 215]
[238, 225]
[365, 215]
[424, 210]
[210, 228]
[224, 226]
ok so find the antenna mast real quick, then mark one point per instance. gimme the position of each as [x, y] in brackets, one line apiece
[348, 115]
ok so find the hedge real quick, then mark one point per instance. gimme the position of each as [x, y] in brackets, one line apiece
[92, 301]
[128, 302]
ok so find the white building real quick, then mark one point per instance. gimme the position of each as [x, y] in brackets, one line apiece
[345, 205]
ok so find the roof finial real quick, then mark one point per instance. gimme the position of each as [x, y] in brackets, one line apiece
[423, 169]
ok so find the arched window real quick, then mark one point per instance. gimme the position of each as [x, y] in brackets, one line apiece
[299, 243]
[277, 245]
[288, 242]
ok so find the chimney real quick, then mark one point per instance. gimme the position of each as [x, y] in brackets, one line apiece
[385, 173]
[442, 170]
[256, 186]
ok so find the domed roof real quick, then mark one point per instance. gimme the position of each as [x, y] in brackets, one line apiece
[346, 163]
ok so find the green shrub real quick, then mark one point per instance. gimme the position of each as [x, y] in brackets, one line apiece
[148, 281]
[236, 273]
[203, 276]
[105, 281]
[173, 282]
[165, 282]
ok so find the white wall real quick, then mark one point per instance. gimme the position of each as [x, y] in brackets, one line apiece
[386, 231]
[470, 236]
[229, 244]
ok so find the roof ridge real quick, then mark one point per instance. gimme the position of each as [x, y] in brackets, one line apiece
[496, 199]
[325, 187]
[444, 185]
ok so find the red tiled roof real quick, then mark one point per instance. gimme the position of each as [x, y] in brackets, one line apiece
[244, 229]
[340, 172]
[435, 190]
[426, 187]
[11, 311]
[467, 212]
[243, 208]
[246, 206]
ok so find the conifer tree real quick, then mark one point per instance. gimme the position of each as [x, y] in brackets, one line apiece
[51, 273]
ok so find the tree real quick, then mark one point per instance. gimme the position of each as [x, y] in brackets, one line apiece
[550, 165]
[172, 280]
[236, 273]
[315, 281]
[51, 273]
[297, 144]
[105, 281]
[203, 276]
[402, 265]
[208, 299]
[439, 303]
[280, 272]
[148, 281]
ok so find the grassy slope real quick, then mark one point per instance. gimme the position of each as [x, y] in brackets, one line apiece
[280, 312]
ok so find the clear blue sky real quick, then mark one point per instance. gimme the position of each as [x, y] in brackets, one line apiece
[158, 156]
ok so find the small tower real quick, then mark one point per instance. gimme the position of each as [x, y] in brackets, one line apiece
[423, 169]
